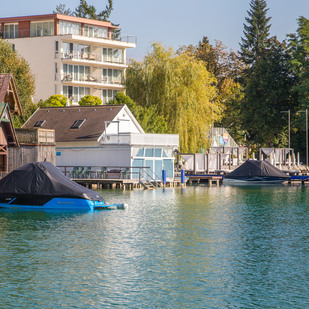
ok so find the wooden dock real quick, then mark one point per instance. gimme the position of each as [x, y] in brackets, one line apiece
[299, 180]
[123, 184]
[210, 180]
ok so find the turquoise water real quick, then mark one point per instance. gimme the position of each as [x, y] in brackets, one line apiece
[198, 247]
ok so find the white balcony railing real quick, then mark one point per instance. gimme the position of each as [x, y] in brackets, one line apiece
[91, 78]
[76, 55]
[145, 139]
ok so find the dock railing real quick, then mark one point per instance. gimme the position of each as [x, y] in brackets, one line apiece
[137, 173]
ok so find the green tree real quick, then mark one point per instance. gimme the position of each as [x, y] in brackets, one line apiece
[85, 10]
[299, 47]
[90, 100]
[54, 101]
[61, 9]
[11, 62]
[180, 89]
[256, 32]
[227, 69]
[148, 118]
[270, 90]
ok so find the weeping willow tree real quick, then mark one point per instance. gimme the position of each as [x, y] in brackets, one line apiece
[181, 89]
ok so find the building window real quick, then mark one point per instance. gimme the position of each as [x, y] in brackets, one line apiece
[108, 95]
[45, 28]
[113, 55]
[77, 73]
[75, 93]
[70, 28]
[112, 76]
[76, 51]
[10, 31]
[96, 32]
[56, 48]
[56, 70]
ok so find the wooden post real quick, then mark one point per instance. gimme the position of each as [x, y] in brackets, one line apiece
[194, 164]
[205, 162]
[260, 154]
[238, 156]
[230, 161]
[207, 170]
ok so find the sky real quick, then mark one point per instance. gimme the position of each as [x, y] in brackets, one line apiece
[175, 23]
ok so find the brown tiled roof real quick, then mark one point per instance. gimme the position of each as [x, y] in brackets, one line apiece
[8, 93]
[4, 86]
[61, 120]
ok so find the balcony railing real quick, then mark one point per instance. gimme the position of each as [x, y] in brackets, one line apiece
[91, 79]
[76, 55]
[141, 139]
[26, 33]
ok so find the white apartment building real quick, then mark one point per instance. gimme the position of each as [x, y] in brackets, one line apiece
[70, 55]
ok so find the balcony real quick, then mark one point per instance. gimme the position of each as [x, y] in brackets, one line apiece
[26, 33]
[91, 58]
[91, 78]
[146, 139]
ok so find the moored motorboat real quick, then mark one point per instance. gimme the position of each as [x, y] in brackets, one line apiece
[40, 185]
[256, 172]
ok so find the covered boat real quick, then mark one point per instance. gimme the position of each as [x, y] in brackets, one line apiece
[256, 171]
[42, 185]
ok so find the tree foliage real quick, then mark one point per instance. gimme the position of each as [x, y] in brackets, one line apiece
[61, 9]
[11, 62]
[148, 118]
[227, 68]
[90, 100]
[180, 89]
[256, 32]
[89, 11]
[299, 47]
[56, 100]
[268, 91]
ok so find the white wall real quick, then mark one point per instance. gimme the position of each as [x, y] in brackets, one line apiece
[40, 54]
[124, 123]
[94, 156]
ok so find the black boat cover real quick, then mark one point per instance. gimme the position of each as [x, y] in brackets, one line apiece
[257, 168]
[43, 179]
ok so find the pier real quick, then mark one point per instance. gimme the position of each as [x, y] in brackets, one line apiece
[123, 184]
[210, 180]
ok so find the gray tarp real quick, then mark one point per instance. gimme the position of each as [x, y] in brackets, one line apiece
[257, 168]
[43, 179]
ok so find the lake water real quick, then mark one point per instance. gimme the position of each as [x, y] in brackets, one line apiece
[198, 247]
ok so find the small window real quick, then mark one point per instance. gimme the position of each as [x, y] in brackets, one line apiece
[39, 124]
[78, 123]
[149, 152]
[158, 152]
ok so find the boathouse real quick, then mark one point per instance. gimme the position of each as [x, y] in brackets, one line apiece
[9, 104]
[106, 140]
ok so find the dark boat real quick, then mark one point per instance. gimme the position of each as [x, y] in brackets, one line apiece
[256, 172]
[41, 185]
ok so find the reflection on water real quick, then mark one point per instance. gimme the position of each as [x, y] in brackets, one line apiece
[198, 247]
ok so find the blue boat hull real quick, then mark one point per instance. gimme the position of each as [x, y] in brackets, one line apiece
[254, 180]
[62, 204]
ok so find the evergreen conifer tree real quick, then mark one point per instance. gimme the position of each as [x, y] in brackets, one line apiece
[256, 32]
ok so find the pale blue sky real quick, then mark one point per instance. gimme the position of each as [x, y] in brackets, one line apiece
[177, 22]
